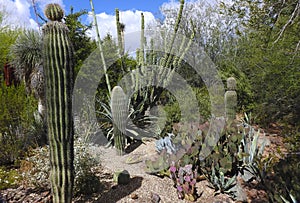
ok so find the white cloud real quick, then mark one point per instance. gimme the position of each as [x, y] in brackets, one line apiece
[131, 19]
[17, 13]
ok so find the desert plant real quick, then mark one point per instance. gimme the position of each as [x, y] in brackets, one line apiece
[9, 178]
[166, 144]
[231, 99]
[36, 169]
[251, 152]
[17, 123]
[59, 71]
[185, 179]
[221, 183]
[119, 110]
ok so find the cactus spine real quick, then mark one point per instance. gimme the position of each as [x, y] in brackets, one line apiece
[231, 99]
[119, 110]
[58, 71]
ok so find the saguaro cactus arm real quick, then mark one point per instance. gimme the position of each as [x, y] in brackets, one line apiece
[59, 72]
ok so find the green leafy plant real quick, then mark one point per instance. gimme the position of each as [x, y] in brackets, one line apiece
[17, 123]
[9, 178]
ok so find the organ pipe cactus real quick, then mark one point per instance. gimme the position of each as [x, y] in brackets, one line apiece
[59, 72]
[119, 110]
[230, 99]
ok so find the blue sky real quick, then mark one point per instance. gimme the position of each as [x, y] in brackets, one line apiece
[20, 12]
[110, 6]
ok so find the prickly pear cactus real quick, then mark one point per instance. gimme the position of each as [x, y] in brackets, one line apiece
[230, 100]
[119, 110]
[58, 72]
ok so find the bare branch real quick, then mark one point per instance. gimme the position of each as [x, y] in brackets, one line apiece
[289, 22]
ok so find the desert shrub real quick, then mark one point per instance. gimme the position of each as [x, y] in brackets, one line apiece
[36, 169]
[9, 178]
[17, 122]
[173, 111]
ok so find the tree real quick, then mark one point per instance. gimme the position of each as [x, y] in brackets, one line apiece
[267, 52]
[7, 38]
[82, 43]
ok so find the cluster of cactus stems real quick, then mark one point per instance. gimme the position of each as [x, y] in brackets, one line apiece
[147, 76]
[119, 110]
[59, 72]
[230, 100]
[185, 179]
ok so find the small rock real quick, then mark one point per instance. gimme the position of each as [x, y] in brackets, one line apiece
[239, 192]
[122, 177]
[155, 198]
[134, 196]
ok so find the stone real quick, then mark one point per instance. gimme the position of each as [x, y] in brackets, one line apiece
[239, 192]
[122, 177]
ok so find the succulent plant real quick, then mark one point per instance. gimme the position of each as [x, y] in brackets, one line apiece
[59, 71]
[185, 179]
[119, 110]
[166, 143]
[54, 12]
[221, 183]
[230, 100]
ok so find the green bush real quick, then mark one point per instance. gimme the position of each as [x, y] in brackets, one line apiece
[173, 112]
[17, 122]
[9, 178]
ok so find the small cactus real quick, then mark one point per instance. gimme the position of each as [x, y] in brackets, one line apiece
[119, 110]
[231, 100]
[231, 84]
[58, 74]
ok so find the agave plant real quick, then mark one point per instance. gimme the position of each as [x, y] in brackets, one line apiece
[251, 152]
[221, 183]
[132, 131]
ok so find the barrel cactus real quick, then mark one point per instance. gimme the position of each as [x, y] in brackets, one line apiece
[231, 99]
[59, 72]
[119, 110]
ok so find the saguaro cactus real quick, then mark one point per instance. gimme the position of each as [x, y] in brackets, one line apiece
[58, 71]
[230, 99]
[119, 110]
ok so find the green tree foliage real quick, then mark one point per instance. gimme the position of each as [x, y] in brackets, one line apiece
[268, 54]
[83, 44]
[7, 38]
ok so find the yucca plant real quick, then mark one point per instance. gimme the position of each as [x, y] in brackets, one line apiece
[26, 55]
[27, 60]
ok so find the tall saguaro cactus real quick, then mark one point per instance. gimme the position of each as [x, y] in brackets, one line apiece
[230, 99]
[58, 70]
